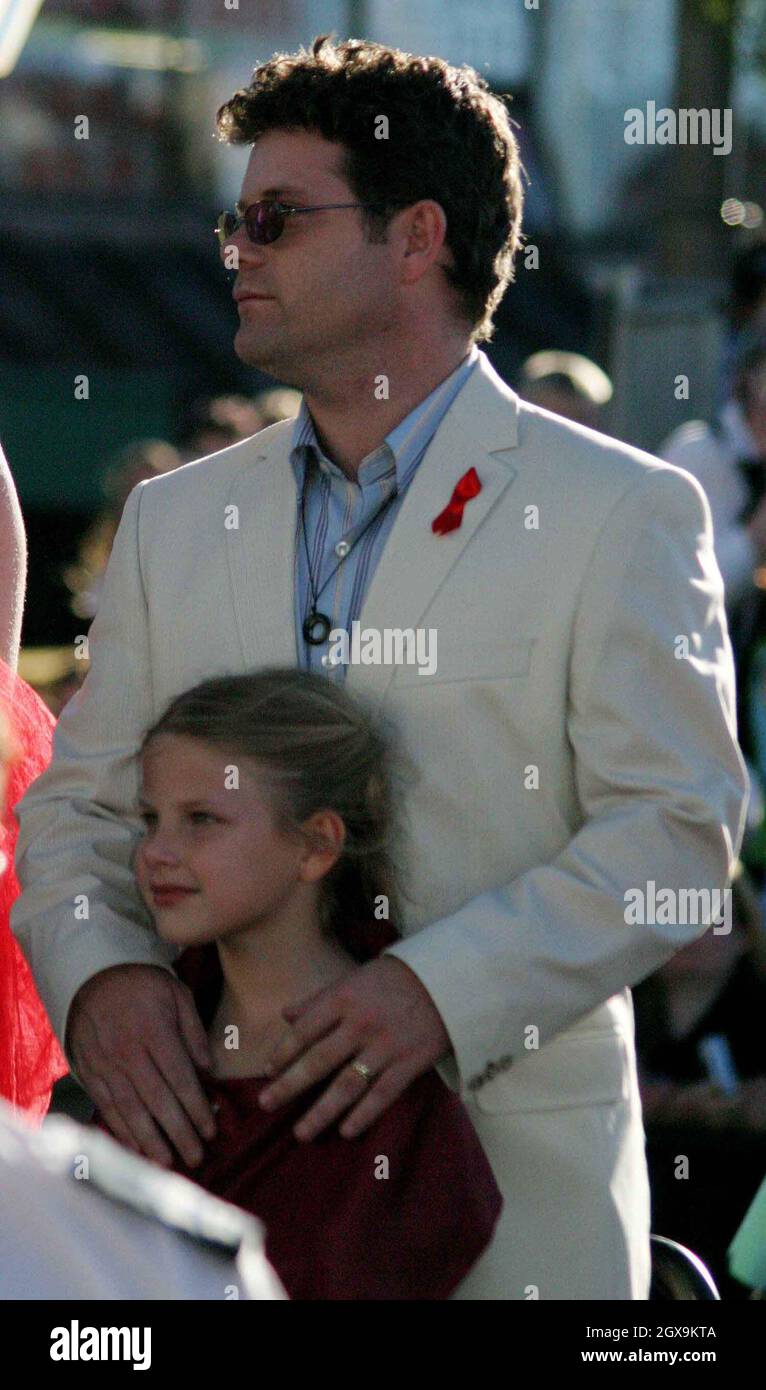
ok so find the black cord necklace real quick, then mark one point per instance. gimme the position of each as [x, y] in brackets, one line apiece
[316, 625]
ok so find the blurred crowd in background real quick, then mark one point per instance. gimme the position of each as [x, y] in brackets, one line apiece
[630, 285]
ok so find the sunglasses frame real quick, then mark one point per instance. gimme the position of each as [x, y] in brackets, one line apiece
[284, 210]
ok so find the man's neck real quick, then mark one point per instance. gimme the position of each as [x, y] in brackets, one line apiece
[353, 415]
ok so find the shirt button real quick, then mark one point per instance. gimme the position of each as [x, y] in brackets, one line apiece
[342, 549]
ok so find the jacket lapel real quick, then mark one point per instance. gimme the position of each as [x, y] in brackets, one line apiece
[480, 429]
[261, 550]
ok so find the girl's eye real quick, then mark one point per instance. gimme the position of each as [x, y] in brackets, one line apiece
[147, 816]
[206, 815]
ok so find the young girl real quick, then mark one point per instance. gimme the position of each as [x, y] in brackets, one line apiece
[268, 807]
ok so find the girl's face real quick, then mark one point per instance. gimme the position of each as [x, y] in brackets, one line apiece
[217, 842]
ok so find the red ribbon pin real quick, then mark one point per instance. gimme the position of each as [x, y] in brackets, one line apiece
[467, 487]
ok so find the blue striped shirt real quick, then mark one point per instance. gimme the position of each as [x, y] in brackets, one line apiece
[338, 508]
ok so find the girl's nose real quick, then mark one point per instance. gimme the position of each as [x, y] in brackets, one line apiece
[161, 848]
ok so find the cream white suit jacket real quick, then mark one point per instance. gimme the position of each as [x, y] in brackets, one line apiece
[564, 754]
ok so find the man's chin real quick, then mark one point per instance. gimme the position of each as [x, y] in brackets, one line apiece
[277, 361]
[254, 350]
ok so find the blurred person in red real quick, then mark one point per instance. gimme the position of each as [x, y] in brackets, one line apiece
[30, 1057]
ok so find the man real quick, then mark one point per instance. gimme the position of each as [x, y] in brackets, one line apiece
[564, 755]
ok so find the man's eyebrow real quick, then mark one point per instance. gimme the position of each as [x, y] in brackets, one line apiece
[283, 190]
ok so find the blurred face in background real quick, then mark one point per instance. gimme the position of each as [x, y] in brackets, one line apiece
[332, 295]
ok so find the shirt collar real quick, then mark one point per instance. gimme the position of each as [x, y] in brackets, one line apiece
[400, 446]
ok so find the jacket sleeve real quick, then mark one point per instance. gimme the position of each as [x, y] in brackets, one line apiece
[661, 783]
[79, 910]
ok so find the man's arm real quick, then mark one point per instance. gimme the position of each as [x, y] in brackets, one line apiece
[130, 1031]
[661, 783]
[79, 911]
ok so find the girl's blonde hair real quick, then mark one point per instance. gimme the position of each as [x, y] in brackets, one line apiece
[318, 749]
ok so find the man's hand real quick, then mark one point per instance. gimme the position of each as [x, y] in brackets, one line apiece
[130, 1034]
[380, 1015]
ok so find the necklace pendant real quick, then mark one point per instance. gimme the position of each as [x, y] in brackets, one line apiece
[316, 628]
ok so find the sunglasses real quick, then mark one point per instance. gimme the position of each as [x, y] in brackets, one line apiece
[264, 221]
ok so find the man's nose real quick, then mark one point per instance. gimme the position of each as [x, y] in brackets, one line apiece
[247, 251]
[232, 243]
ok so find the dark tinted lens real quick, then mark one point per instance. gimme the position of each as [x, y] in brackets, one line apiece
[264, 223]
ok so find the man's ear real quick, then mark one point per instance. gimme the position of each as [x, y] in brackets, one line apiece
[426, 237]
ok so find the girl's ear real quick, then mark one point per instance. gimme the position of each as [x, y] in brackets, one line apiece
[325, 834]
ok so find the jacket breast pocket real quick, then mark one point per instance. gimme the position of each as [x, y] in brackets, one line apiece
[458, 657]
[572, 1069]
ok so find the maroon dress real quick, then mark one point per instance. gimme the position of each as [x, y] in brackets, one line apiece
[402, 1211]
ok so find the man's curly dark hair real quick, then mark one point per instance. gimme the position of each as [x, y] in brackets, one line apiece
[449, 139]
